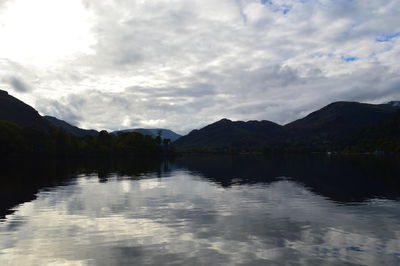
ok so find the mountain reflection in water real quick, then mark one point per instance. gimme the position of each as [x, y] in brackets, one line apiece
[202, 210]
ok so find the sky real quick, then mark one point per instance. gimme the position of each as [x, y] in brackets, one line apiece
[182, 64]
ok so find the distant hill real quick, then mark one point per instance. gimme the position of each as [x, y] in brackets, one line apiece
[340, 119]
[165, 133]
[334, 126]
[18, 112]
[384, 134]
[226, 133]
[57, 123]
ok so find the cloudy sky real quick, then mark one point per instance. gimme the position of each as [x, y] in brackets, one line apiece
[182, 64]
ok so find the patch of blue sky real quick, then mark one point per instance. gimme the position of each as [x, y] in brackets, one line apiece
[345, 58]
[284, 9]
[350, 58]
[374, 54]
[357, 249]
[387, 37]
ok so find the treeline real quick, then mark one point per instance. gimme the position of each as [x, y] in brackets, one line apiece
[362, 145]
[16, 140]
[382, 138]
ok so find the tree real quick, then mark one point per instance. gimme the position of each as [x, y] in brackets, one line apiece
[159, 138]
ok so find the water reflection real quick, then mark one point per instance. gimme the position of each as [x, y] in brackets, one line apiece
[342, 179]
[22, 179]
[214, 211]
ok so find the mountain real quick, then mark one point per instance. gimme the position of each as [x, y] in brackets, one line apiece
[339, 119]
[57, 123]
[385, 131]
[18, 112]
[333, 126]
[165, 133]
[226, 133]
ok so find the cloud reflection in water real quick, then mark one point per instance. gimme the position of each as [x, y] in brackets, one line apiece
[185, 219]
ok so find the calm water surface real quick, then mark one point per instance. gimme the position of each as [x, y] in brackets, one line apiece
[202, 211]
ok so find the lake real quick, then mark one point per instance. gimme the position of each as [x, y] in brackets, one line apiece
[201, 210]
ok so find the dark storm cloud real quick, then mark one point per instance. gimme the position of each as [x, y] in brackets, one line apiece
[19, 85]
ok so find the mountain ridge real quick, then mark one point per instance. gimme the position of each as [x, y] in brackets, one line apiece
[16, 111]
[58, 123]
[338, 125]
[232, 133]
[340, 118]
[326, 127]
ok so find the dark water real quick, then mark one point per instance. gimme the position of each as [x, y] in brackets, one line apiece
[201, 211]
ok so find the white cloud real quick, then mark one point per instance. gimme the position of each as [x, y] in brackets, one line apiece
[189, 63]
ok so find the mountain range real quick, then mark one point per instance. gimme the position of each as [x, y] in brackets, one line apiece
[336, 125]
[18, 112]
[339, 125]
